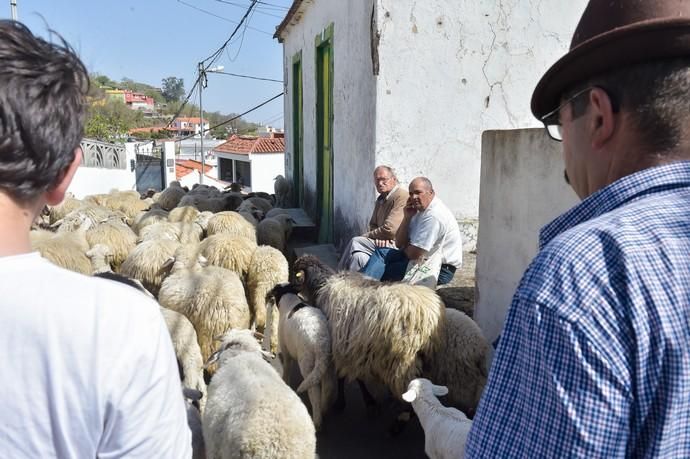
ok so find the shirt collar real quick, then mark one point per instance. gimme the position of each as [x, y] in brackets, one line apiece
[622, 191]
[385, 198]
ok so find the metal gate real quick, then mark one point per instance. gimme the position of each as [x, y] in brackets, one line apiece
[150, 170]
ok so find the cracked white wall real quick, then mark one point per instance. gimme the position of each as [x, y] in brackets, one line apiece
[450, 70]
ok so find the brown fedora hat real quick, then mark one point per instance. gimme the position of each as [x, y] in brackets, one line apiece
[614, 34]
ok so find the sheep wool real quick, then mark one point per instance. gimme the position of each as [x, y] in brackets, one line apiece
[275, 231]
[187, 351]
[267, 268]
[148, 217]
[304, 338]
[212, 298]
[171, 196]
[229, 252]
[184, 233]
[251, 412]
[146, 262]
[117, 236]
[462, 362]
[185, 214]
[67, 250]
[378, 330]
[61, 210]
[231, 223]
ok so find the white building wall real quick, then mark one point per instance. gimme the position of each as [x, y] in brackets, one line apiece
[522, 190]
[354, 98]
[451, 70]
[265, 167]
[96, 180]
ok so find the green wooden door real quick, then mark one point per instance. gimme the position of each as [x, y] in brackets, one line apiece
[297, 132]
[324, 121]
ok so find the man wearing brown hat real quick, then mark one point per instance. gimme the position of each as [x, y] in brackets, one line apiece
[594, 358]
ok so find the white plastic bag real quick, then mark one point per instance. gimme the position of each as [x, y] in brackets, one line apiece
[426, 271]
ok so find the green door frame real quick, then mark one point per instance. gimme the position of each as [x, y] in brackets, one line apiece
[297, 130]
[324, 133]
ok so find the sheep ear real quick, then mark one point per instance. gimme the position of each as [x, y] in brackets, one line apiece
[192, 394]
[258, 335]
[267, 356]
[213, 359]
[439, 390]
[168, 263]
[409, 396]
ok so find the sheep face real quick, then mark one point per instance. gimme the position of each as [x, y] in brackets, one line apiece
[423, 387]
[310, 275]
[282, 289]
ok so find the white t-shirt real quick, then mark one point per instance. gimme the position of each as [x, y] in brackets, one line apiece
[88, 368]
[436, 228]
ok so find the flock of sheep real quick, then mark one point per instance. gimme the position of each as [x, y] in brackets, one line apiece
[216, 263]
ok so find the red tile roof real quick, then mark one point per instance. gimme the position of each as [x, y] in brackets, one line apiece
[193, 120]
[245, 145]
[186, 166]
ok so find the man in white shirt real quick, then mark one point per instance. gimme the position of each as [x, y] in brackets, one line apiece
[427, 226]
[88, 363]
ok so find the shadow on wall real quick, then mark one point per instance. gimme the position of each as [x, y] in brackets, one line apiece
[344, 228]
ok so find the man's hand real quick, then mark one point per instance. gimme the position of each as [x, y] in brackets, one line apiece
[409, 209]
[383, 243]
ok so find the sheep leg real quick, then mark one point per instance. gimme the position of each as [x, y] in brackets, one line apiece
[286, 362]
[401, 421]
[339, 405]
[372, 406]
[315, 400]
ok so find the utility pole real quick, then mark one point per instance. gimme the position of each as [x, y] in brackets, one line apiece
[202, 83]
[13, 7]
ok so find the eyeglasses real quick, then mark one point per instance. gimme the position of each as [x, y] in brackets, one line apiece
[552, 121]
[382, 179]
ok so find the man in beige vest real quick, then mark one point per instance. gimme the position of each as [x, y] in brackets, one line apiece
[384, 223]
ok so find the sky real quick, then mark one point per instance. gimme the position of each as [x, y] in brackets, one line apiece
[148, 40]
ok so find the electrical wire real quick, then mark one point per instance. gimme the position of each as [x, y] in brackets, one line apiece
[189, 94]
[221, 17]
[213, 57]
[248, 76]
[223, 123]
[244, 6]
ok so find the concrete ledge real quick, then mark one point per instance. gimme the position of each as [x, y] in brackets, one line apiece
[324, 252]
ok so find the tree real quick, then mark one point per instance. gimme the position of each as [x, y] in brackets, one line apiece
[111, 120]
[172, 88]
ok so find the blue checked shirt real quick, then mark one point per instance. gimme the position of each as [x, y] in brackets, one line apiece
[594, 358]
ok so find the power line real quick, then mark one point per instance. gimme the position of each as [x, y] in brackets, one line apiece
[203, 131]
[244, 6]
[221, 17]
[248, 76]
[272, 4]
[220, 50]
[186, 99]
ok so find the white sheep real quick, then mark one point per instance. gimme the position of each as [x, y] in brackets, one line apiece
[212, 298]
[267, 268]
[117, 236]
[275, 231]
[445, 429]
[100, 256]
[251, 412]
[147, 262]
[187, 351]
[184, 233]
[379, 331]
[65, 249]
[303, 337]
[281, 187]
[229, 252]
[65, 207]
[148, 217]
[186, 214]
[231, 223]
